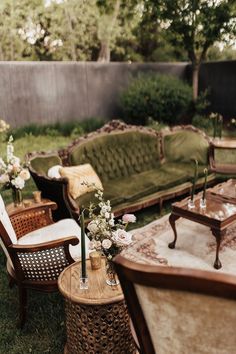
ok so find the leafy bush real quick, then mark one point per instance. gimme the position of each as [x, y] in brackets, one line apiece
[164, 98]
[203, 122]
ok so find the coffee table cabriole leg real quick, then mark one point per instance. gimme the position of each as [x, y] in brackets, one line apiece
[172, 220]
[218, 235]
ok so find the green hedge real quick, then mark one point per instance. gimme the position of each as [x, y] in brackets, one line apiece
[163, 98]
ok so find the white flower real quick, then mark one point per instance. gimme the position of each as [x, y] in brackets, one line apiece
[15, 161]
[4, 178]
[18, 182]
[9, 168]
[2, 163]
[128, 218]
[121, 237]
[107, 215]
[103, 209]
[24, 174]
[98, 244]
[106, 243]
[92, 245]
[93, 226]
[111, 222]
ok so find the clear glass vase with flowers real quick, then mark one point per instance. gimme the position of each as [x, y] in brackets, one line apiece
[108, 235]
[13, 173]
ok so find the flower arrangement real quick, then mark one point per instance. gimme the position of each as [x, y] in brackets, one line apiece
[217, 124]
[106, 235]
[12, 173]
[4, 127]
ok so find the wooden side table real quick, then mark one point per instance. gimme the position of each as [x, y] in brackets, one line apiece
[97, 320]
[28, 204]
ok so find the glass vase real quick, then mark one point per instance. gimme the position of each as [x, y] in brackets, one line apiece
[17, 197]
[111, 276]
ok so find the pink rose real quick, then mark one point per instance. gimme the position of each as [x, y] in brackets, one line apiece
[128, 218]
[106, 244]
[121, 237]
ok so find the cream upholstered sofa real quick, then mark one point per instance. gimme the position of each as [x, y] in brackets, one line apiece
[137, 166]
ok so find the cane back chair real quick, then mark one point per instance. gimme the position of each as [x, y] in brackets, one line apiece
[36, 249]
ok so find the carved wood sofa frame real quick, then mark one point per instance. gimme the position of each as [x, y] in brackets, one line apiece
[54, 189]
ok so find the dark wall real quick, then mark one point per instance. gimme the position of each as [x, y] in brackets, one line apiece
[46, 92]
[220, 79]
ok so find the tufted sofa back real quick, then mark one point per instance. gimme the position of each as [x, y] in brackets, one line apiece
[118, 154]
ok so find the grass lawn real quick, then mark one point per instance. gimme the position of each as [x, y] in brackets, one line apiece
[44, 331]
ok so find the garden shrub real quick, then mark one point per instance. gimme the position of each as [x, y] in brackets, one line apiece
[202, 122]
[163, 98]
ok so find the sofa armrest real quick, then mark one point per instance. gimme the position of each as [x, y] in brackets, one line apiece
[56, 190]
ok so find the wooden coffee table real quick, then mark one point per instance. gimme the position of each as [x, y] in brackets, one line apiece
[219, 214]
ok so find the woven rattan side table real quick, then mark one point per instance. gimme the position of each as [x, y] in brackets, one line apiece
[97, 321]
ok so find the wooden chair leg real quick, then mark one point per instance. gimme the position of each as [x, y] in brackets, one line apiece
[23, 306]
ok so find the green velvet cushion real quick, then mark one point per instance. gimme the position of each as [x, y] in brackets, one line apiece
[143, 184]
[118, 155]
[185, 146]
[41, 164]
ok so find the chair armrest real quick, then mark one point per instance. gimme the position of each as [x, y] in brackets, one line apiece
[44, 261]
[32, 218]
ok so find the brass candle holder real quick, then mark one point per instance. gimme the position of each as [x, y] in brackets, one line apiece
[37, 196]
[96, 260]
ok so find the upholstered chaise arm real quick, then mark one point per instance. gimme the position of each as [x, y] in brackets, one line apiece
[44, 261]
[28, 220]
[57, 190]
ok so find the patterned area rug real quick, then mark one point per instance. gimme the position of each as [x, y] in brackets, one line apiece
[195, 246]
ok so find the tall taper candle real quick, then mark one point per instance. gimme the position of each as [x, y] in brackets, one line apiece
[215, 119]
[195, 179]
[205, 183]
[83, 251]
[220, 126]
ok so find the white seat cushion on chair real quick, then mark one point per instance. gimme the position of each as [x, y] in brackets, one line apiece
[56, 231]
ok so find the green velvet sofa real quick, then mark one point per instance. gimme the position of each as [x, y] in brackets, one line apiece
[138, 166]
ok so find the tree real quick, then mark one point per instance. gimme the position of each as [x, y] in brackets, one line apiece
[13, 18]
[74, 23]
[197, 25]
[118, 18]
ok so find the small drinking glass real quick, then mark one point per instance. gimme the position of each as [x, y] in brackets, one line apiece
[203, 203]
[191, 204]
[83, 283]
